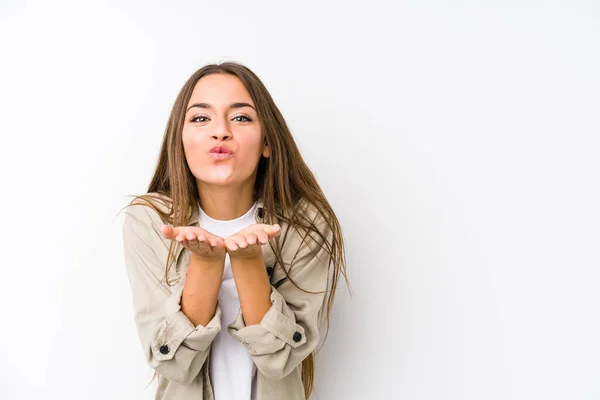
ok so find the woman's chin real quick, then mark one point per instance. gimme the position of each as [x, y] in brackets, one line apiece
[217, 181]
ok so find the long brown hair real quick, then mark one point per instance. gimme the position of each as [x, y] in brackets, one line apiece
[282, 180]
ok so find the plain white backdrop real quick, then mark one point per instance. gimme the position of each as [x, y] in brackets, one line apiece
[457, 141]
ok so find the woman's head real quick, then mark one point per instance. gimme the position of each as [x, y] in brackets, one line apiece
[265, 156]
[221, 114]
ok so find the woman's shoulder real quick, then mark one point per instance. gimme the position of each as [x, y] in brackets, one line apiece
[309, 219]
[311, 213]
[149, 207]
[157, 199]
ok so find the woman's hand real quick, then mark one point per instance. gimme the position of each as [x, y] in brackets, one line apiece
[200, 242]
[248, 242]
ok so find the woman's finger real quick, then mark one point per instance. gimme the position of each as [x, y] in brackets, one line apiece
[168, 231]
[193, 242]
[181, 236]
[240, 241]
[266, 228]
[251, 238]
[262, 237]
[190, 236]
[230, 244]
[272, 230]
[262, 226]
[216, 243]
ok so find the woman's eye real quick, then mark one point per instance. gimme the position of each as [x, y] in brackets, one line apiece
[196, 118]
[242, 116]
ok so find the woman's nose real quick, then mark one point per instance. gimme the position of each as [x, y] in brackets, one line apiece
[222, 131]
[222, 135]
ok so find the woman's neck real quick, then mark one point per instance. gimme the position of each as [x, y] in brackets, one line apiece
[225, 203]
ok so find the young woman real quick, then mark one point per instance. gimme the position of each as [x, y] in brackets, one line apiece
[234, 253]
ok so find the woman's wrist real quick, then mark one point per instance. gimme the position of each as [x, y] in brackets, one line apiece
[198, 261]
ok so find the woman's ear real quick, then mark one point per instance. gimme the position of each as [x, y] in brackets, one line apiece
[266, 153]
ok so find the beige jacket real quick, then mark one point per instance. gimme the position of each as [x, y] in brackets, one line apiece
[179, 351]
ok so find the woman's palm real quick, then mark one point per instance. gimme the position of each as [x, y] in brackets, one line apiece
[199, 241]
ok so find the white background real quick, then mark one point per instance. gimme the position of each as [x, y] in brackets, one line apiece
[457, 141]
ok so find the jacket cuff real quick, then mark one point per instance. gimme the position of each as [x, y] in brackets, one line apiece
[277, 328]
[176, 329]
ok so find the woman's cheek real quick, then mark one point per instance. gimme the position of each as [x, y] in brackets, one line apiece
[192, 145]
[189, 139]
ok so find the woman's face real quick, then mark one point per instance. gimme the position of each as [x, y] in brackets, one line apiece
[221, 113]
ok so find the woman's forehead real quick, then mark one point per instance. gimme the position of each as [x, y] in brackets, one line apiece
[220, 88]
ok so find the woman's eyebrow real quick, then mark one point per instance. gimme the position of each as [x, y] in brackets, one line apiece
[232, 105]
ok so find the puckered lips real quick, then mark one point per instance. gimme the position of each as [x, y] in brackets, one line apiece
[220, 152]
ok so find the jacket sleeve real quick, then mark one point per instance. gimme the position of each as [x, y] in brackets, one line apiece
[172, 345]
[288, 332]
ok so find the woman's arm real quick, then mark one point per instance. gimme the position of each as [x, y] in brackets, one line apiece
[253, 287]
[288, 332]
[201, 289]
[173, 345]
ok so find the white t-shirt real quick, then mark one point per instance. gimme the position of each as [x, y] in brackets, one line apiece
[232, 371]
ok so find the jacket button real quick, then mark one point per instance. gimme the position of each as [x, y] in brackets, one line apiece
[164, 349]
[297, 337]
[270, 270]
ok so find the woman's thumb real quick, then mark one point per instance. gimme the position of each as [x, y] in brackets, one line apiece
[274, 228]
[167, 231]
